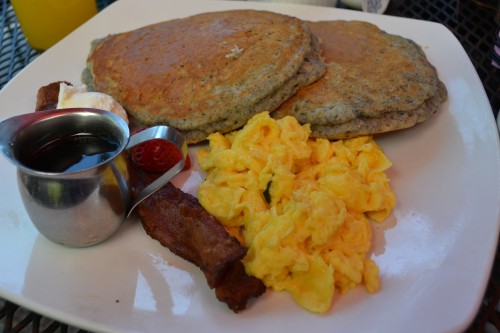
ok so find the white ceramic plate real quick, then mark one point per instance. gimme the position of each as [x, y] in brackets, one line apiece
[435, 251]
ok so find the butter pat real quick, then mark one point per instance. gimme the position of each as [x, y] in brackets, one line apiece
[79, 97]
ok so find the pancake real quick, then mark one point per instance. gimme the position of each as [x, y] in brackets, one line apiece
[375, 82]
[206, 73]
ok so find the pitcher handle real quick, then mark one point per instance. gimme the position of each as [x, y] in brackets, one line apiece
[165, 133]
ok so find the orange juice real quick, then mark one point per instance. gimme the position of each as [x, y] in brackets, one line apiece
[45, 22]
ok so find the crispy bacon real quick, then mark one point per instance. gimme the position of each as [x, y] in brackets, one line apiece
[177, 222]
[180, 223]
[237, 288]
[47, 96]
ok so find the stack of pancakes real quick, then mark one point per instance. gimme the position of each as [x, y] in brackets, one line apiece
[212, 72]
[206, 73]
[375, 82]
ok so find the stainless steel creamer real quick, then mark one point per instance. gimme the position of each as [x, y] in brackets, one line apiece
[86, 206]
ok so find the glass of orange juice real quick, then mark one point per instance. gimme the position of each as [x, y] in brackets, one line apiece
[45, 22]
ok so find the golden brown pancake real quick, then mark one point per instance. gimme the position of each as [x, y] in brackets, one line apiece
[206, 73]
[375, 82]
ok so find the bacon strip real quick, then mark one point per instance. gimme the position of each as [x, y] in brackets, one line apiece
[47, 96]
[175, 220]
[180, 223]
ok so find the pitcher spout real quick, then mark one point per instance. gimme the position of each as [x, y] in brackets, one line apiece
[12, 130]
[9, 131]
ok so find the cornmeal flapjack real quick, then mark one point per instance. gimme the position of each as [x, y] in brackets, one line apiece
[375, 82]
[206, 73]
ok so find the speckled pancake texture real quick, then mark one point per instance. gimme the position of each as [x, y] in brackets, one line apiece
[375, 82]
[206, 73]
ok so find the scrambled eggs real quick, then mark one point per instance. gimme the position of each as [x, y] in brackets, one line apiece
[301, 206]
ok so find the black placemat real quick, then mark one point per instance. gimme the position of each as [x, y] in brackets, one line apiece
[474, 26]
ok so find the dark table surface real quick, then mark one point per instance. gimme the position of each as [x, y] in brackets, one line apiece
[472, 22]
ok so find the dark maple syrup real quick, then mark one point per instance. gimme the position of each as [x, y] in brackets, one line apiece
[72, 153]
